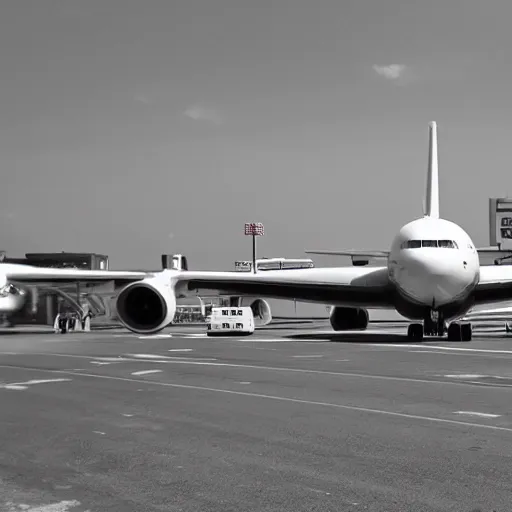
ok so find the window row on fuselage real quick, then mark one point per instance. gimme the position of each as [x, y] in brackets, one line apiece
[416, 244]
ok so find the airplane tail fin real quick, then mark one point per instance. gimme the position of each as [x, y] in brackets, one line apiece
[432, 195]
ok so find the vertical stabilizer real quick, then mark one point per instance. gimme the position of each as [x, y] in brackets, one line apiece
[432, 196]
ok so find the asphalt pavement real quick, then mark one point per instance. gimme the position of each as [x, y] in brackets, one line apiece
[289, 419]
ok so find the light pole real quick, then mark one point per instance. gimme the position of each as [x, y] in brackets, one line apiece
[254, 229]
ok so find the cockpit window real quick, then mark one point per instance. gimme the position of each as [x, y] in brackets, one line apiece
[448, 244]
[415, 244]
[411, 244]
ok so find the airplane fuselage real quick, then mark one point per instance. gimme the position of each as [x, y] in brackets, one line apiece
[433, 265]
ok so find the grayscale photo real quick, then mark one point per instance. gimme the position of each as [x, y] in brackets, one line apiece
[256, 256]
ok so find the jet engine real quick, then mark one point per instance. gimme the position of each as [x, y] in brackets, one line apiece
[260, 310]
[12, 298]
[346, 319]
[147, 306]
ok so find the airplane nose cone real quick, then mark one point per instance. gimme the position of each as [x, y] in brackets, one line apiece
[438, 278]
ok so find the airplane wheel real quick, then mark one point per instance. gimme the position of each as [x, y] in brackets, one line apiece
[454, 332]
[415, 332]
[466, 332]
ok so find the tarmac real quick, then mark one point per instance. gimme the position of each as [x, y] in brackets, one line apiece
[290, 419]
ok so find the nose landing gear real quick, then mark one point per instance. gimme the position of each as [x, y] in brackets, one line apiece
[434, 324]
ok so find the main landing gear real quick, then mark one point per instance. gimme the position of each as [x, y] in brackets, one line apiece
[434, 325]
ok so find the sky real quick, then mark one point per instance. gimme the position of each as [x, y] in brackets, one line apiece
[135, 128]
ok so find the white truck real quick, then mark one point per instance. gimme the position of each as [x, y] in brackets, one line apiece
[230, 321]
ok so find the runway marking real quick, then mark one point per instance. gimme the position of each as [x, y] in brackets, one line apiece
[485, 351]
[181, 350]
[146, 372]
[155, 336]
[62, 506]
[127, 415]
[20, 386]
[431, 352]
[109, 359]
[148, 356]
[311, 355]
[257, 348]
[98, 432]
[332, 405]
[244, 382]
[206, 361]
[160, 358]
[262, 340]
[464, 376]
[480, 414]
[100, 363]
[491, 384]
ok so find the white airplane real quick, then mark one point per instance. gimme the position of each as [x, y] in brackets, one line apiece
[432, 277]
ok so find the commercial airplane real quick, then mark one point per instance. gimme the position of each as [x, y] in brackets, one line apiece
[432, 277]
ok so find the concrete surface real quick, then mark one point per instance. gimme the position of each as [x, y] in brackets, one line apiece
[285, 420]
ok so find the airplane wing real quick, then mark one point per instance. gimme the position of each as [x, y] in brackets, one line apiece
[348, 286]
[495, 284]
[352, 252]
[36, 275]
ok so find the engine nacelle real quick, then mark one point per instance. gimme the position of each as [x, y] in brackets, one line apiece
[347, 319]
[260, 310]
[12, 299]
[147, 306]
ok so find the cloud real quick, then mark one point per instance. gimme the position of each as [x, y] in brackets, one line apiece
[198, 113]
[142, 99]
[391, 72]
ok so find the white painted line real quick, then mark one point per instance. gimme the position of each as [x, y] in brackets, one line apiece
[43, 381]
[480, 383]
[465, 376]
[100, 363]
[148, 356]
[110, 359]
[127, 415]
[98, 432]
[431, 352]
[479, 414]
[265, 340]
[155, 336]
[458, 349]
[342, 360]
[206, 361]
[354, 408]
[146, 372]
[312, 355]
[155, 358]
[181, 350]
[19, 386]
[62, 506]
[244, 382]
[257, 348]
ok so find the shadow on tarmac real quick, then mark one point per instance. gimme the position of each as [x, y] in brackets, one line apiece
[362, 337]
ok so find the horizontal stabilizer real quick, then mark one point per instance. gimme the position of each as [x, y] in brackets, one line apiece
[350, 252]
